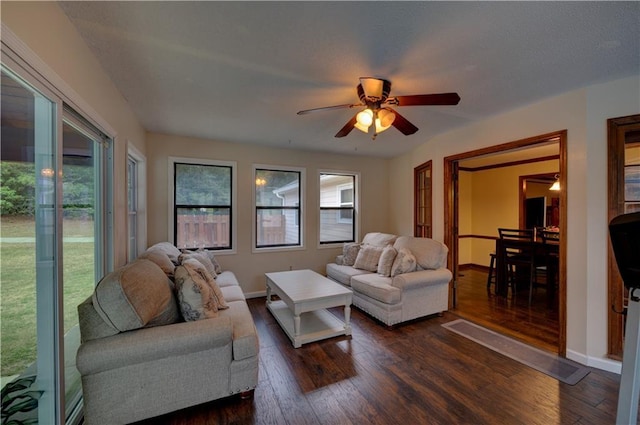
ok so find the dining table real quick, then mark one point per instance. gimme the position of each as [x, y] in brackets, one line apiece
[546, 254]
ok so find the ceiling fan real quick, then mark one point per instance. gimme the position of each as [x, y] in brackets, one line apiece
[374, 95]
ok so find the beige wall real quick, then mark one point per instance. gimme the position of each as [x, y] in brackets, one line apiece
[51, 39]
[490, 199]
[250, 267]
[583, 113]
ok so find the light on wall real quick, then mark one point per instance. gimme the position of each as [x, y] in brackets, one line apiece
[556, 184]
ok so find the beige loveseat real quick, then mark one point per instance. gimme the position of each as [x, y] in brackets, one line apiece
[395, 279]
[139, 358]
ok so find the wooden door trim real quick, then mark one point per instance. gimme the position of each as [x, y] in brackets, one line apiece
[616, 128]
[451, 220]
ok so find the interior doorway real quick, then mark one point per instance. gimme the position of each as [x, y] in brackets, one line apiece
[477, 245]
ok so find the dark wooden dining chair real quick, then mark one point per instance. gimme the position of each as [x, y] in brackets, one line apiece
[550, 261]
[519, 253]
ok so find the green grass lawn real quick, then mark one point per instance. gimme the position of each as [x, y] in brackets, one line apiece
[18, 291]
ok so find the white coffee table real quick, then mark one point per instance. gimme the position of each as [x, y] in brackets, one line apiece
[304, 297]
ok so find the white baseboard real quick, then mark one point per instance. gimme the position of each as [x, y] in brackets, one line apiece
[596, 362]
[256, 294]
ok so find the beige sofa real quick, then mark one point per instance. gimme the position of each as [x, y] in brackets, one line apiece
[139, 358]
[395, 279]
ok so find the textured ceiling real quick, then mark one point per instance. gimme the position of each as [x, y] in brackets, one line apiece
[239, 71]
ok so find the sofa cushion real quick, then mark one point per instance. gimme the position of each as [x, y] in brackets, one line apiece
[386, 260]
[245, 335]
[227, 279]
[161, 259]
[168, 248]
[201, 257]
[136, 295]
[232, 293]
[195, 296]
[368, 257]
[350, 253]
[378, 239]
[343, 274]
[376, 287]
[430, 254]
[405, 262]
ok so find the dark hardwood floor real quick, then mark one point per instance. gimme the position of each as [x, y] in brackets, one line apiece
[417, 373]
[536, 324]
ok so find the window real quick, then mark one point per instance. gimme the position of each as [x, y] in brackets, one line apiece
[278, 207]
[132, 207]
[56, 214]
[203, 213]
[422, 201]
[338, 200]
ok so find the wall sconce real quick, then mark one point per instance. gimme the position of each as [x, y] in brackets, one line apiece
[556, 184]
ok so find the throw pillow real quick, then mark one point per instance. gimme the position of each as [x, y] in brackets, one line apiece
[350, 253]
[172, 252]
[195, 266]
[195, 296]
[212, 257]
[203, 258]
[161, 259]
[386, 260]
[368, 257]
[405, 262]
[134, 296]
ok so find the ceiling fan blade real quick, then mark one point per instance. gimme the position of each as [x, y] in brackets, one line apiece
[426, 99]
[347, 127]
[327, 108]
[403, 125]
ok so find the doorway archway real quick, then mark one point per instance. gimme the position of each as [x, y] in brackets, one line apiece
[451, 211]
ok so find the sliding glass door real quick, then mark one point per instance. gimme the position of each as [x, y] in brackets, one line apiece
[54, 245]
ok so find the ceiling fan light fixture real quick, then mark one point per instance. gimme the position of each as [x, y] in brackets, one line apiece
[372, 87]
[365, 118]
[364, 129]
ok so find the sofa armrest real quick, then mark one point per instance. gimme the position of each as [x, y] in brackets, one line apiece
[422, 278]
[149, 344]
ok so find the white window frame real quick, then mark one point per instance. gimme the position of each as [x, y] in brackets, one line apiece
[141, 198]
[234, 196]
[356, 206]
[301, 245]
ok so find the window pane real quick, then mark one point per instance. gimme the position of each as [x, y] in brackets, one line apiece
[277, 188]
[28, 252]
[337, 201]
[277, 208]
[632, 183]
[277, 226]
[79, 229]
[205, 185]
[336, 225]
[132, 204]
[203, 206]
[203, 227]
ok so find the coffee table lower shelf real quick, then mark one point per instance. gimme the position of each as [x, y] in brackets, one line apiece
[314, 325]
